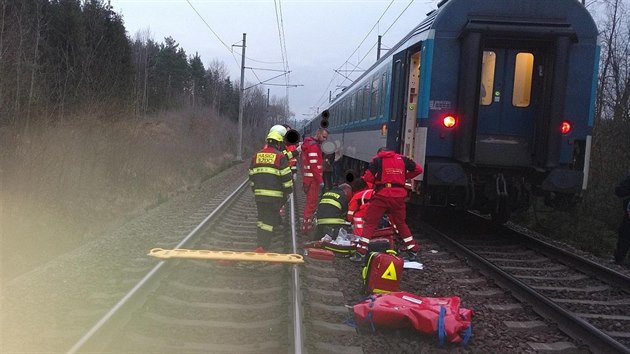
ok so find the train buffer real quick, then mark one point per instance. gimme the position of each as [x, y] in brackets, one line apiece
[227, 255]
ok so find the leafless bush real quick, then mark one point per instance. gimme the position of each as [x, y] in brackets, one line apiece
[83, 174]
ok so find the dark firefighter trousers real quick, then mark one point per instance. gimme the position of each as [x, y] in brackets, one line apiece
[268, 219]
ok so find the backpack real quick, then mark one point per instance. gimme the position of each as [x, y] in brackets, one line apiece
[382, 272]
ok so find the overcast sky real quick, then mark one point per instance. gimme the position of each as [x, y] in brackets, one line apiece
[319, 37]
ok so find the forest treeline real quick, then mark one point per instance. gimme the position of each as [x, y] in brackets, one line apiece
[63, 57]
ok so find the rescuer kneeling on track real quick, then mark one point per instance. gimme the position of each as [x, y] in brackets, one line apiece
[271, 182]
[388, 172]
[358, 205]
[332, 210]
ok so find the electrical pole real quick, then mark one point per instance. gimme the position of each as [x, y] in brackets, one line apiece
[239, 155]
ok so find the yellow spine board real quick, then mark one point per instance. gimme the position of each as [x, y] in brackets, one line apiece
[227, 255]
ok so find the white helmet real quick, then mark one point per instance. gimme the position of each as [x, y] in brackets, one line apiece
[279, 128]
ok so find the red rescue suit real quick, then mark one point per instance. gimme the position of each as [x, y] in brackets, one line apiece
[292, 155]
[388, 171]
[357, 208]
[312, 178]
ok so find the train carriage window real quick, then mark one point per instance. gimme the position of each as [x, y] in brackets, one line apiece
[353, 107]
[366, 102]
[488, 64]
[374, 99]
[348, 109]
[523, 69]
[381, 105]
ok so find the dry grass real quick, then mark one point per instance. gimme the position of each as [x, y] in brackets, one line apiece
[63, 185]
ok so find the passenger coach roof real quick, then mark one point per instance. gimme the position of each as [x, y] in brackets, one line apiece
[452, 17]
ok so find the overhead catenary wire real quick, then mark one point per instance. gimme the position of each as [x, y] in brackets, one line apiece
[213, 32]
[346, 78]
[282, 42]
[352, 54]
[229, 48]
[384, 33]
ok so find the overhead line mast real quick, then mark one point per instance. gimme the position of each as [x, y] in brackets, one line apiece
[239, 154]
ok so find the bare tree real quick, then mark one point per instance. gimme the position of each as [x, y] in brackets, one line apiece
[142, 43]
[34, 65]
[611, 131]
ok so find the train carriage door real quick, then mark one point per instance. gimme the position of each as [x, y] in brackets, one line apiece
[405, 86]
[411, 104]
[507, 107]
[396, 96]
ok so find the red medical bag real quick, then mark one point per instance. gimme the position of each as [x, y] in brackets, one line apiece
[382, 272]
[432, 315]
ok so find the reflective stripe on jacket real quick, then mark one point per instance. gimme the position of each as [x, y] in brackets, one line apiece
[269, 175]
[389, 171]
[312, 161]
[332, 207]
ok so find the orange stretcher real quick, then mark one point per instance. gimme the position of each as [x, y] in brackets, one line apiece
[227, 255]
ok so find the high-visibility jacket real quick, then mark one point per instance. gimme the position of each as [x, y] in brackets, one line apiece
[312, 162]
[332, 207]
[290, 151]
[356, 209]
[389, 171]
[270, 176]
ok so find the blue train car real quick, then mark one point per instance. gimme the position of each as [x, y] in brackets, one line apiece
[495, 99]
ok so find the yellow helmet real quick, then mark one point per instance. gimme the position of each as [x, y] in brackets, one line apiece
[275, 136]
[279, 128]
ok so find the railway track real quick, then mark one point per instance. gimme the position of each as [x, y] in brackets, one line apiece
[207, 306]
[588, 301]
[229, 306]
[189, 307]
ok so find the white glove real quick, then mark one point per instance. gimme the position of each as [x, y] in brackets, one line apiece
[299, 147]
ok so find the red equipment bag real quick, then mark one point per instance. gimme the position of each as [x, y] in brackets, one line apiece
[387, 232]
[317, 253]
[340, 249]
[344, 250]
[382, 273]
[430, 315]
[381, 244]
[382, 240]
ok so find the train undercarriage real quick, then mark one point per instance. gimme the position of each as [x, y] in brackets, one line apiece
[495, 192]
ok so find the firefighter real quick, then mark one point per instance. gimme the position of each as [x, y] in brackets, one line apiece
[312, 175]
[623, 242]
[291, 151]
[332, 210]
[271, 182]
[388, 172]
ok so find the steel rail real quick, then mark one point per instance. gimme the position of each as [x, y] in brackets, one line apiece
[582, 264]
[298, 338]
[598, 341]
[142, 284]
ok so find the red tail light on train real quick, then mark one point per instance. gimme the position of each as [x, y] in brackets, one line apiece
[449, 121]
[565, 127]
